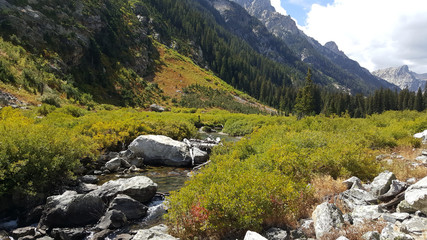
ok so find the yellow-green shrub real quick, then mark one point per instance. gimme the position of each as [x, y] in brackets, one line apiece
[263, 179]
[36, 157]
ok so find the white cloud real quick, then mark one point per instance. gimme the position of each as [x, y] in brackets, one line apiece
[376, 33]
[278, 6]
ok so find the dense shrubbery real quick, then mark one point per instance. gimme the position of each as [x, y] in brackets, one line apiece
[35, 157]
[38, 154]
[263, 180]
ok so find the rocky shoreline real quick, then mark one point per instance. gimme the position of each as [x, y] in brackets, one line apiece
[89, 211]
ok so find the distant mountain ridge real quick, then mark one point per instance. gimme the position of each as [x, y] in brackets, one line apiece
[328, 59]
[403, 77]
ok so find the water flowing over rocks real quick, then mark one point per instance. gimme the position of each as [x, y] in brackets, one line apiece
[86, 210]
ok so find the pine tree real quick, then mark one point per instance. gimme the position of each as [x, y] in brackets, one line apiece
[305, 104]
[419, 103]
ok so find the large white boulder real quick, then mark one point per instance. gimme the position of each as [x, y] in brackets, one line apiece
[159, 232]
[416, 195]
[161, 150]
[253, 236]
[422, 135]
[327, 217]
[382, 182]
[140, 188]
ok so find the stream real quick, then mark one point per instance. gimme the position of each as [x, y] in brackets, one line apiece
[167, 179]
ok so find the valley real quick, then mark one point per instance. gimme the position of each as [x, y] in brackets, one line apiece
[200, 119]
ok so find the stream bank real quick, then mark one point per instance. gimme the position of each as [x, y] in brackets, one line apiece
[102, 204]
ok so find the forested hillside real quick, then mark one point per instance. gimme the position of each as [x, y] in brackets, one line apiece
[107, 51]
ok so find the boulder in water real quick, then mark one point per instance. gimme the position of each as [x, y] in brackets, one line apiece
[140, 188]
[129, 206]
[72, 210]
[161, 150]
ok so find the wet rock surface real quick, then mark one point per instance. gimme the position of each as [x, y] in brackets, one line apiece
[86, 210]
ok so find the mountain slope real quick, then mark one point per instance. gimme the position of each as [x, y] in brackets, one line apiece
[237, 20]
[403, 77]
[105, 51]
[327, 59]
[99, 47]
[105, 48]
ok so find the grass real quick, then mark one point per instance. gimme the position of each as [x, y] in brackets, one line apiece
[326, 188]
[175, 72]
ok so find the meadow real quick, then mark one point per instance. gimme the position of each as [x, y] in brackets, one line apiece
[266, 179]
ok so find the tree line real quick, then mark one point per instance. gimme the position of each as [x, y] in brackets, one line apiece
[312, 99]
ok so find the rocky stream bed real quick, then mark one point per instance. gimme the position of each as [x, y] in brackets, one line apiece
[124, 199]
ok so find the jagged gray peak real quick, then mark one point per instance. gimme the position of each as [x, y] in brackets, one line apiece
[256, 7]
[253, 31]
[277, 23]
[327, 59]
[334, 48]
[402, 77]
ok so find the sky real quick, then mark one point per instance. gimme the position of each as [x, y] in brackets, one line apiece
[376, 33]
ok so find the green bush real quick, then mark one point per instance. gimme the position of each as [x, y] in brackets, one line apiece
[45, 109]
[52, 99]
[36, 157]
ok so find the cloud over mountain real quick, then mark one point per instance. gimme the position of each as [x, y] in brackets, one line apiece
[377, 33]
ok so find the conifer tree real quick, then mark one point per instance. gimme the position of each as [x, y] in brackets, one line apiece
[305, 104]
[419, 103]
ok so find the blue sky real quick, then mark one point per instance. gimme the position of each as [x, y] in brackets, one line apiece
[298, 9]
[376, 33]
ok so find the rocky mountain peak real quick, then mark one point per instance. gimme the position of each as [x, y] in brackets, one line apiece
[256, 7]
[403, 69]
[402, 77]
[324, 58]
[331, 45]
[277, 23]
